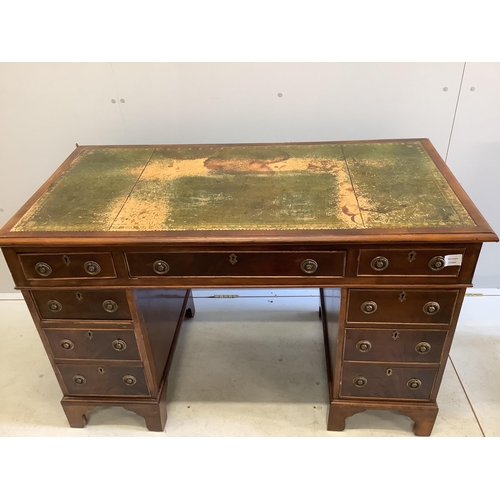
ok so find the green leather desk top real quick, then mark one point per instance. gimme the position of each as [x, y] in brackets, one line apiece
[324, 186]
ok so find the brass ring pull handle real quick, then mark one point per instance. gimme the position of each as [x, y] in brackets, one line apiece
[67, 344]
[423, 347]
[360, 381]
[119, 345]
[414, 383]
[431, 308]
[54, 306]
[92, 267]
[309, 266]
[369, 307]
[110, 306]
[364, 345]
[379, 263]
[79, 379]
[437, 263]
[43, 269]
[161, 267]
[129, 380]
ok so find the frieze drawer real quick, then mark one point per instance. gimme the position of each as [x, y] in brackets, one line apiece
[67, 265]
[93, 344]
[103, 380]
[307, 264]
[387, 381]
[396, 345]
[436, 262]
[401, 306]
[82, 304]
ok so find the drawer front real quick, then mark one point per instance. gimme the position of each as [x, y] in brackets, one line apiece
[93, 344]
[75, 304]
[415, 346]
[103, 380]
[387, 382]
[67, 266]
[307, 264]
[408, 262]
[401, 306]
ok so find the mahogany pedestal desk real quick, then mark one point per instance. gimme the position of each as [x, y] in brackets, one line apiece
[108, 249]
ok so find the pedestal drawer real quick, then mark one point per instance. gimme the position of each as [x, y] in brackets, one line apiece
[386, 381]
[103, 380]
[82, 304]
[93, 344]
[401, 306]
[149, 264]
[401, 345]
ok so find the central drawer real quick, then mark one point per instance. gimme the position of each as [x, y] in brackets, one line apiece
[307, 264]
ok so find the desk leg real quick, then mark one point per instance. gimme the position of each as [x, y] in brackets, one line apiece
[423, 415]
[154, 412]
[190, 310]
[424, 418]
[76, 413]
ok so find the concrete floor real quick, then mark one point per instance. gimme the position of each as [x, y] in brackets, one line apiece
[252, 366]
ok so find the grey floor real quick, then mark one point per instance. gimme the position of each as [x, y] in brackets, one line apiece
[252, 366]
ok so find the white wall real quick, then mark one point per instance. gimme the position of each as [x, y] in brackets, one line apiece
[46, 108]
[474, 156]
